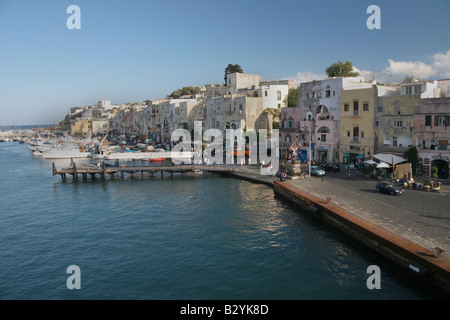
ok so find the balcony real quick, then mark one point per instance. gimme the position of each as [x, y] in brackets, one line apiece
[289, 129]
[355, 139]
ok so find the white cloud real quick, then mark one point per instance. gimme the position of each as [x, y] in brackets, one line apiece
[307, 76]
[442, 63]
[418, 69]
[438, 68]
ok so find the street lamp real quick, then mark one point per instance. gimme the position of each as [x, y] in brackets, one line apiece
[309, 149]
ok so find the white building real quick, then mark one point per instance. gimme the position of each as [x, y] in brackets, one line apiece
[426, 89]
[241, 81]
[274, 93]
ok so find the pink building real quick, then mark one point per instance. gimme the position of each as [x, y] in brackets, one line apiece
[289, 129]
[432, 136]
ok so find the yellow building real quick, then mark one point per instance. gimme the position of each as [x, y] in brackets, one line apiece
[81, 128]
[357, 125]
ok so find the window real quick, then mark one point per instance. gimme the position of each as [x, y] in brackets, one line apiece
[398, 123]
[323, 137]
[365, 107]
[346, 107]
[441, 120]
[355, 108]
[327, 92]
[287, 138]
[356, 131]
[278, 95]
[376, 123]
[362, 134]
[290, 123]
[428, 121]
[279, 106]
[408, 124]
[265, 93]
[380, 109]
[348, 133]
[417, 89]
[394, 141]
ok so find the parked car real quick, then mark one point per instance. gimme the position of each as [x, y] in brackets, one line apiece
[333, 167]
[388, 187]
[317, 171]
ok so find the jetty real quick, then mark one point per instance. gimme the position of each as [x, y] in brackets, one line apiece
[102, 170]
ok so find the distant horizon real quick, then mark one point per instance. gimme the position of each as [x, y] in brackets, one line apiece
[19, 126]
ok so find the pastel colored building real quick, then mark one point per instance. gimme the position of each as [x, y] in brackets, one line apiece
[357, 125]
[289, 129]
[432, 136]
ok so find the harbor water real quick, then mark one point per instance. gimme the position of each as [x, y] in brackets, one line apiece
[197, 236]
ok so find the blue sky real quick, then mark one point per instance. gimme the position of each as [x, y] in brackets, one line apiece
[128, 51]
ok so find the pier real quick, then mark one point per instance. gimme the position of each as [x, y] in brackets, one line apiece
[103, 170]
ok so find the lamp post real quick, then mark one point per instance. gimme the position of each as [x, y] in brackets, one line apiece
[309, 149]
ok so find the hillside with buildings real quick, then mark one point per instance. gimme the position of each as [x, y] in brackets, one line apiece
[343, 119]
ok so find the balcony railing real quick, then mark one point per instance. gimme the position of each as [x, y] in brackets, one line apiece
[354, 139]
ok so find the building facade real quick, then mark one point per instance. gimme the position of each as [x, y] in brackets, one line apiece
[432, 136]
[357, 125]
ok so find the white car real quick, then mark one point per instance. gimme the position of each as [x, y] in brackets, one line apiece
[317, 171]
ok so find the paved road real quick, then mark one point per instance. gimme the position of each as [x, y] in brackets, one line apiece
[419, 216]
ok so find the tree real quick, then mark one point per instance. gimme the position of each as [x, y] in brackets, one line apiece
[292, 97]
[408, 79]
[413, 158]
[183, 92]
[232, 68]
[340, 69]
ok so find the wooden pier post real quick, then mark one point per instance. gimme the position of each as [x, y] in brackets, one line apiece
[74, 171]
[103, 170]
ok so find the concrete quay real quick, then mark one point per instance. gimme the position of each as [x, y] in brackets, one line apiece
[406, 229]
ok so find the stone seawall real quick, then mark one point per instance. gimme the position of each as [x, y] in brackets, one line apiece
[408, 255]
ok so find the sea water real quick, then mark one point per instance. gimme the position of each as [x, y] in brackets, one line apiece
[197, 236]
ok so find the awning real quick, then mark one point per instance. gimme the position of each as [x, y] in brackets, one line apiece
[389, 158]
[383, 165]
[370, 162]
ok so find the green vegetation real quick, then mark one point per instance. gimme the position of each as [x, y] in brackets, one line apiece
[408, 79]
[340, 69]
[232, 68]
[183, 92]
[292, 97]
[413, 158]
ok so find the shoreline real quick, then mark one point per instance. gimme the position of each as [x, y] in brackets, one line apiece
[408, 255]
[413, 258]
